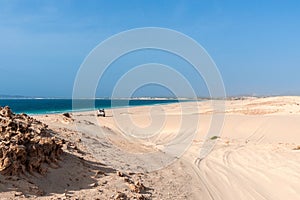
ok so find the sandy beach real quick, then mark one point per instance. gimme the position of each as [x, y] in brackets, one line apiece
[129, 153]
[149, 100]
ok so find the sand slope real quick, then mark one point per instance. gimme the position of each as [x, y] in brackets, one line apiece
[256, 157]
[253, 159]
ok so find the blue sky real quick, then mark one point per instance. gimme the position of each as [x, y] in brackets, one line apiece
[255, 44]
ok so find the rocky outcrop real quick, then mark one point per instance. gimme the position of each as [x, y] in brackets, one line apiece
[25, 144]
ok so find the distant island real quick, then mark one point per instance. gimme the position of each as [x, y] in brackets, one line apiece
[5, 96]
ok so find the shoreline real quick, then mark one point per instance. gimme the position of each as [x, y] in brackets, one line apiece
[110, 108]
[69, 103]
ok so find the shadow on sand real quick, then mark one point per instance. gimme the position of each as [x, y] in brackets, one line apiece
[73, 174]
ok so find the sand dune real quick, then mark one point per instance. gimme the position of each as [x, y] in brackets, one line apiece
[256, 155]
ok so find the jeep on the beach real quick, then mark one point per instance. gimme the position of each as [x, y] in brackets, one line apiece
[101, 113]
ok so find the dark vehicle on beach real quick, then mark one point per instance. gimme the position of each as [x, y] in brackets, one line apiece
[101, 113]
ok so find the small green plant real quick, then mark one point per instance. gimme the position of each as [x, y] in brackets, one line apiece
[214, 137]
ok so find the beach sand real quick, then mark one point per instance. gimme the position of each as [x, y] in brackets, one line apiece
[150, 152]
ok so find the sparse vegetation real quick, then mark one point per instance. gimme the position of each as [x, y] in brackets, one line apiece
[214, 137]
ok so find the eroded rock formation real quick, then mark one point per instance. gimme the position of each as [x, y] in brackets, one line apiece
[25, 144]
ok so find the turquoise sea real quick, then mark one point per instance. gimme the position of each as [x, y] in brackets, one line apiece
[48, 106]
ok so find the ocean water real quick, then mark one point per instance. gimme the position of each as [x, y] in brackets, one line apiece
[48, 106]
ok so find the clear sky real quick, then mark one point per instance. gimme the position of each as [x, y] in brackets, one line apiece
[255, 44]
